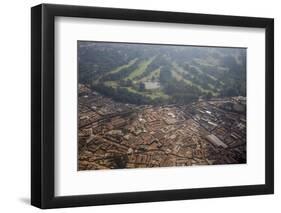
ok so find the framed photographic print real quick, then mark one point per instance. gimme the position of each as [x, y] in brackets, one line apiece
[139, 106]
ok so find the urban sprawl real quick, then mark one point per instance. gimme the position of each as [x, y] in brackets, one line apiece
[113, 135]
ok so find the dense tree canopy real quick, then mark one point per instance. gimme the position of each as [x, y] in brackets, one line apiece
[177, 74]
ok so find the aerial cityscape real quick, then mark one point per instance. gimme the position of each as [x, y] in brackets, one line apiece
[147, 105]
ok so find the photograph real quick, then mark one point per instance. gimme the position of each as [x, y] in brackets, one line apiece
[141, 105]
[144, 105]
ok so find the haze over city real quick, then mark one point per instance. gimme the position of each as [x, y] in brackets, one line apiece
[147, 105]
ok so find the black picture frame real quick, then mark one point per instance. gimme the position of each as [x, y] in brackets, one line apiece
[43, 102]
